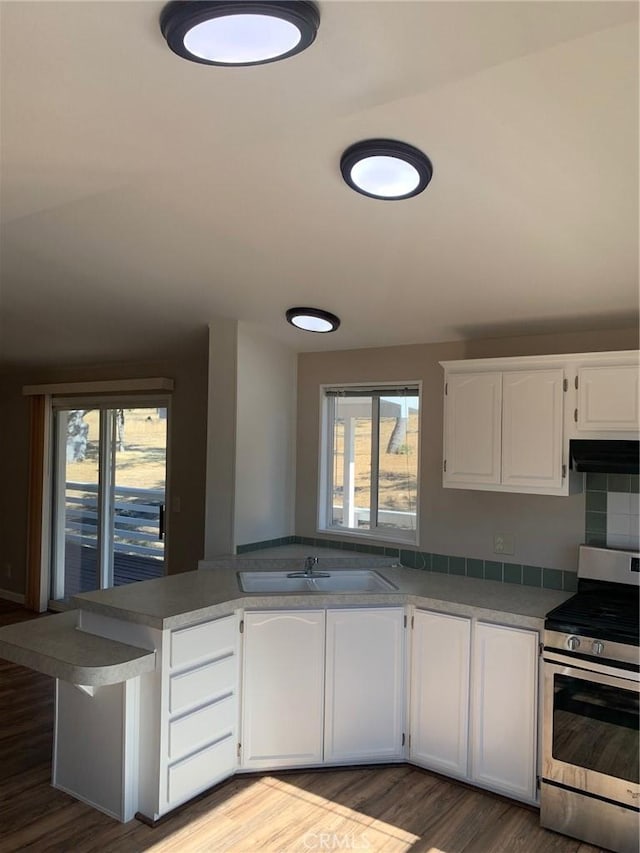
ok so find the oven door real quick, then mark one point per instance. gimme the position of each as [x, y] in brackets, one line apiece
[590, 729]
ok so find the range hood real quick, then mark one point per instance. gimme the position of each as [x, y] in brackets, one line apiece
[605, 457]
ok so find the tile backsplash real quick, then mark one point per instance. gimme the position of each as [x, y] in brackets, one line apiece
[612, 517]
[494, 570]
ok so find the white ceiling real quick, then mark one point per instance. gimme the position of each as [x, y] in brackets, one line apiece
[143, 194]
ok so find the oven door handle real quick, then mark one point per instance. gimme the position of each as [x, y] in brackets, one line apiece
[590, 666]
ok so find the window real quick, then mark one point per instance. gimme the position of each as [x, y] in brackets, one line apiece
[370, 452]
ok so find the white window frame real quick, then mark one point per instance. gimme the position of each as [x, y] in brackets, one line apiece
[325, 468]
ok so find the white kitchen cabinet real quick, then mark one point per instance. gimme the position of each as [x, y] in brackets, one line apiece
[532, 421]
[199, 710]
[473, 403]
[503, 431]
[608, 398]
[283, 688]
[364, 699]
[504, 710]
[439, 709]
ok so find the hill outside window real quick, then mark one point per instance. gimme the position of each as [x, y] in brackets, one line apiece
[370, 461]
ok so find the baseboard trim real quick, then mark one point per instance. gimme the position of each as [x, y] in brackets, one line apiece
[16, 597]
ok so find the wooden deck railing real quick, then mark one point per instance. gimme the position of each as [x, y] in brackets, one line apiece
[137, 518]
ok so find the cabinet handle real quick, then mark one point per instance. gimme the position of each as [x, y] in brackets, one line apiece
[575, 415]
[445, 464]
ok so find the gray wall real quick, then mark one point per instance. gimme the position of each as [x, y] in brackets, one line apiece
[452, 522]
[188, 368]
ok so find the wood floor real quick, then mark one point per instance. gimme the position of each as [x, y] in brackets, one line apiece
[399, 809]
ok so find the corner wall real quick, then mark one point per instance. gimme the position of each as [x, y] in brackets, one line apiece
[265, 438]
[453, 522]
[251, 438]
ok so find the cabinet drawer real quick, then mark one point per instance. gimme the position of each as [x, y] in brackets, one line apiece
[205, 682]
[216, 638]
[202, 770]
[209, 723]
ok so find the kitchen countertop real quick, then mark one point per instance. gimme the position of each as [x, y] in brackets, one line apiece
[55, 646]
[211, 591]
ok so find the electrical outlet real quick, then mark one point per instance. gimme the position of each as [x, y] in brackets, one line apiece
[503, 543]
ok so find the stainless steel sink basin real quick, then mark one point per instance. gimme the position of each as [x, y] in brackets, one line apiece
[358, 580]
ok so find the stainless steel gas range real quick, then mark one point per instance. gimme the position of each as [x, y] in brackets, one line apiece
[590, 786]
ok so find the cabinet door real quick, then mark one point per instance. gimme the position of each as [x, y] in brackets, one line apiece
[283, 688]
[532, 421]
[364, 707]
[440, 692]
[608, 398]
[472, 430]
[504, 709]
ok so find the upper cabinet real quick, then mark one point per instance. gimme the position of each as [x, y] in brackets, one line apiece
[608, 398]
[472, 431]
[508, 421]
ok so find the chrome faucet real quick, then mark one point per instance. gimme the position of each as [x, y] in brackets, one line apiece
[309, 563]
[309, 570]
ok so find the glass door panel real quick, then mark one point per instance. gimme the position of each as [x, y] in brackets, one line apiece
[109, 498]
[595, 726]
[139, 481]
[76, 528]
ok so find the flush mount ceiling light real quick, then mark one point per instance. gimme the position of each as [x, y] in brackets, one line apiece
[239, 32]
[385, 168]
[312, 319]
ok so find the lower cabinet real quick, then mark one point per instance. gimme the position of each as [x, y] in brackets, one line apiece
[283, 688]
[440, 692]
[364, 707]
[473, 709]
[323, 686]
[504, 709]
[189, 715]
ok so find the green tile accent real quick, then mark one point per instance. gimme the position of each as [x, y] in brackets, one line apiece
[512, 573]
[267, 543]
[596, 501]
[569, 581]
[475, 568]
[598, 540]
[618, 483]
[440, 563]
[408, 558]
[552, 579]
[596, 482]
[531, 576]
[457, 566]
[392, 552]
[424, 560]
[634, 483]
[596, 522]
[492, 571]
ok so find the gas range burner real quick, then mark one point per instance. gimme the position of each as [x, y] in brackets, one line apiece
[606, 606]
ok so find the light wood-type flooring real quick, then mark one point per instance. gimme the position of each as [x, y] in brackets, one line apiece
[395, 809]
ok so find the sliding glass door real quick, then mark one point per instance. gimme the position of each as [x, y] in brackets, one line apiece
[108, 513]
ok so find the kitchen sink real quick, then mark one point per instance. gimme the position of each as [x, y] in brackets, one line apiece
[357, 580]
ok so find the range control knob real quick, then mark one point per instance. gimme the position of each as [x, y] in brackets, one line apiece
[573, 643]
[597, 647]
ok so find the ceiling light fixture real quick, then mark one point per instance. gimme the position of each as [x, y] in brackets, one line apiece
[386, 169]
[312, 319]
[239, 32]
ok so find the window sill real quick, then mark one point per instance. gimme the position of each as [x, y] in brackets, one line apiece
[381, 538]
